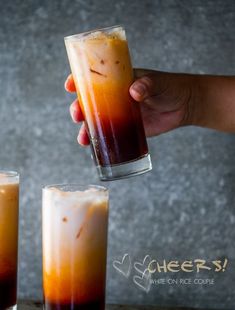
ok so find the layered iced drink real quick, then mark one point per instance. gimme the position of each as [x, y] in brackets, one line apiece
[9, 206]
[75, 222]
[102, 71]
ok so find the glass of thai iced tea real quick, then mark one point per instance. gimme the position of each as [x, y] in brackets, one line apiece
[9, 209]
[101, 67]
[74, 227]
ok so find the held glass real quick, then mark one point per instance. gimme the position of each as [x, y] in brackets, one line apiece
[74, 230]
[9, 210]
[102, 71]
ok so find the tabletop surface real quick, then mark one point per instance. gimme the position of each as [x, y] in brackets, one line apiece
[32, 305]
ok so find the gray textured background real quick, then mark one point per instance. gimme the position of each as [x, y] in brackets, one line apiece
[185, 208]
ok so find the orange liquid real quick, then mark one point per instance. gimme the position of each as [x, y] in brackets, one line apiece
[8, 243]
[74, 254]
[103, 73]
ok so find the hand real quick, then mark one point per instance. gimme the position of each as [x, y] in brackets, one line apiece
[76, 113]
[165, 101]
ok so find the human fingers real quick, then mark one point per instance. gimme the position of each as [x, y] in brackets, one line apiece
[76, 112]
[69, 84]
[83, 138]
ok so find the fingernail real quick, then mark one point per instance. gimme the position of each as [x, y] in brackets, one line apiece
[139, 88]
[71, 108]
[65, 84]
[80, 140]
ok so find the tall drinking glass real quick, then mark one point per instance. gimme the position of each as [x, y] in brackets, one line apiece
[102, 71]
[9, 209]
[74, 227]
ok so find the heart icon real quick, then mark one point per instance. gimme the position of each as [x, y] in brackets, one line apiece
[123, 266]
[141, 267]
[144, 281]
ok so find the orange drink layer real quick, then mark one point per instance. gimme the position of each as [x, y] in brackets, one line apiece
[102, 71]
[9, 201]
[74, 247]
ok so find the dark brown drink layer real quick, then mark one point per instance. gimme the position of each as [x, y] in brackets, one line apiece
[8, 287]
[74, 306]
[117, 142]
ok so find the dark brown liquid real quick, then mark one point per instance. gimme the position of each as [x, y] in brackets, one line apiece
[119, 141]
[8, 287]
[99, 305]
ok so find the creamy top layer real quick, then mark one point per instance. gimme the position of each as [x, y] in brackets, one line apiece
[60, 194]
[8, 179]
[115, 33]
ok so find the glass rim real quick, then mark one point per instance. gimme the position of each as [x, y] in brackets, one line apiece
[9, 173]
[84, 34]
[63, 186]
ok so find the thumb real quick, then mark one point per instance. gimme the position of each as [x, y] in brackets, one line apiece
[143, 88]
[158, 89]
[149, 83]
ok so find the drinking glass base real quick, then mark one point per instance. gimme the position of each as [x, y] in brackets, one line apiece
[125, 170]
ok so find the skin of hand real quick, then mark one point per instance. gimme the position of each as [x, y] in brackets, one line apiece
[165, 101]
[172, 100]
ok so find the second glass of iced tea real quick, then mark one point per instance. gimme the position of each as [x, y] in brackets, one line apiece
[101, 67]
[75, 223]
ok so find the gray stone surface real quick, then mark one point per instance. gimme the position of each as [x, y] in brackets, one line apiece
[184, 208]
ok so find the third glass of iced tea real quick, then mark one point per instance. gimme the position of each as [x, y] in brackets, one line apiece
[102, 71]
